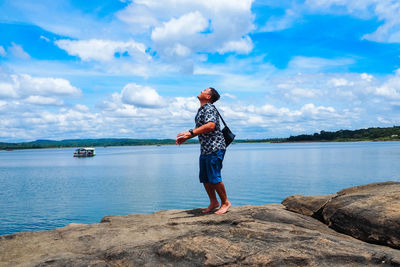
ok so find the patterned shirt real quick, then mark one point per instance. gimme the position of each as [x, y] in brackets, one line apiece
[214, 140]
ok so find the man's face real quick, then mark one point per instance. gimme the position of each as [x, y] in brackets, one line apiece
[205, 94]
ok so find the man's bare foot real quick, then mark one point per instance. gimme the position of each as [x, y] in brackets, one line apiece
[224, 208]
[211, 207]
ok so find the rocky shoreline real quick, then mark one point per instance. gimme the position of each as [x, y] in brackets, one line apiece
[357, 226]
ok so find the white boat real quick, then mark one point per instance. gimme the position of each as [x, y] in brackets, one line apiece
[85, 152]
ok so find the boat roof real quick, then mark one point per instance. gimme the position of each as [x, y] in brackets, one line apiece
[86, 148]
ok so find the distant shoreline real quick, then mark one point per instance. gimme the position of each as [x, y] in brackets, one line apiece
[168, 142]
[361, 135]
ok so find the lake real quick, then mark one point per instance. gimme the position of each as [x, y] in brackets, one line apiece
[48, 188]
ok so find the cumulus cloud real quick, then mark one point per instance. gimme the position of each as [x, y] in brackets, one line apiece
[367, 77]
[141, 96]
[308, 111]
[28, 85]
[183, 27]
[7, 90]
[242, 46]
[139, 111]
[311, 111]
[390, 89]
[180, 28]
[102, 50]
[36, 90]
[302, 93]
[337, 82]
[43, 100]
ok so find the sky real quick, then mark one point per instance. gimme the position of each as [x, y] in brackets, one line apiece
[132, 69]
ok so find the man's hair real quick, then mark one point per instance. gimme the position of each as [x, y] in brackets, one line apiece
[214, 95]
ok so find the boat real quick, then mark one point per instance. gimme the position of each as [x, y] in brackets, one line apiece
[85, 152]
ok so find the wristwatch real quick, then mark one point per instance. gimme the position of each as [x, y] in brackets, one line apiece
[191, 132]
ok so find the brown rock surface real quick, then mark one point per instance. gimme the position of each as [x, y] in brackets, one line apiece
[307, 205]
[370, 212]
[266, 235]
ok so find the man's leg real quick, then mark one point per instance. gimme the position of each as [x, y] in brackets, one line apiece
[225, 204]
[212, 196]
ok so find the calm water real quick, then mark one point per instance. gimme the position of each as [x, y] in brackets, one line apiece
[45, 189]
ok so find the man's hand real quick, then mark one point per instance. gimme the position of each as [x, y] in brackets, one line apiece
[182, 137]
[206, 128]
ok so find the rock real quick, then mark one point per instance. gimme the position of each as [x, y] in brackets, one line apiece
[249, 235]
[370, 212]
[305, 204]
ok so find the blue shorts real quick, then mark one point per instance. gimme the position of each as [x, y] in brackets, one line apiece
[210, 167]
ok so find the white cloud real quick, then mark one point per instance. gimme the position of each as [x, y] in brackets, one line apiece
[101, 50]
[197, 26]
[178, 50]
[43, 100]
[25, 84]
[184, 27]
[44, 38]
[383, 120]
[21, 89]
[306, 112]
[139, 111]
[366, 77]
[17, 51]
[7, 90]
[81, 108]
[141, 96]
[231, 96]
[337, 82]
[3, 52]
[270, 110]
[313, 112]
[242, 46]
[390, 89]
[301, 93]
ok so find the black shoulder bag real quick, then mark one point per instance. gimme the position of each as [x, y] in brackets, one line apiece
[228, 135]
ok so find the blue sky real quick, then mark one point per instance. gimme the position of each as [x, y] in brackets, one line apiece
[94, 69]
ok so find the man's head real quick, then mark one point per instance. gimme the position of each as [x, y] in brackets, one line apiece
[214, 95]
[209, 95]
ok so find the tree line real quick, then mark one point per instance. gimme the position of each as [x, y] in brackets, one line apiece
[104, 142]
[370, 134]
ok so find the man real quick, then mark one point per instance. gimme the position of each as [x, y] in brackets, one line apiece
[212, 149]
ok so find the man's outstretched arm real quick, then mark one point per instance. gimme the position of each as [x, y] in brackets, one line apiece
[206, 128]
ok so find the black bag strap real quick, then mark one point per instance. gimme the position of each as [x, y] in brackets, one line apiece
[221, 117]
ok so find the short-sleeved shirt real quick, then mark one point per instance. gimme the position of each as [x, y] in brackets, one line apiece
[213, 141]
